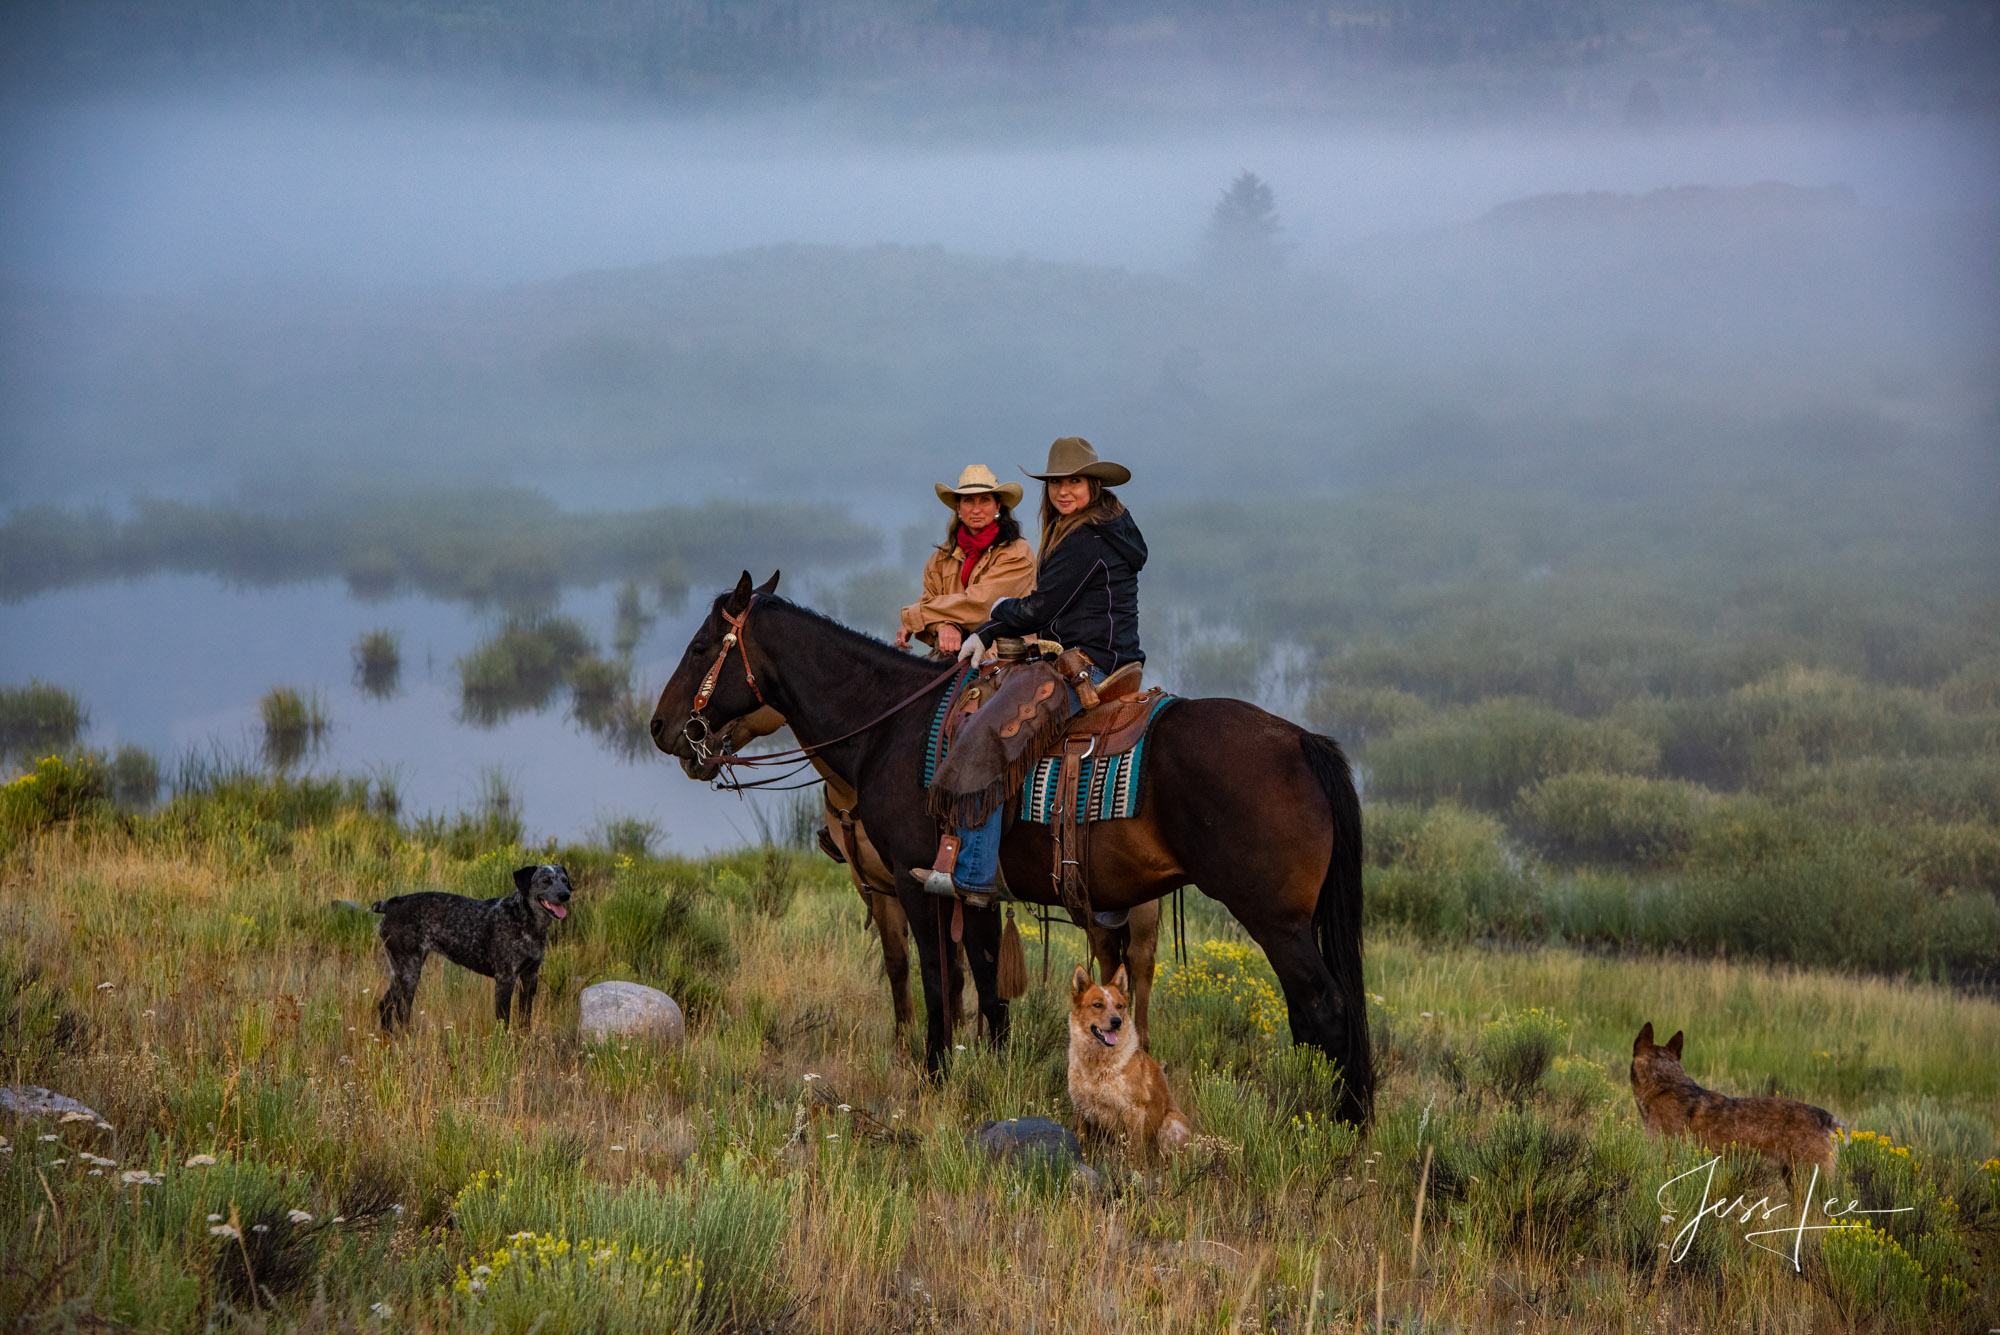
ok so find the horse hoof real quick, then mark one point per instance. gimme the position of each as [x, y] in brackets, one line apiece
[1110, 919]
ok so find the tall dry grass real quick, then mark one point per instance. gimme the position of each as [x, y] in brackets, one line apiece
[188, 976]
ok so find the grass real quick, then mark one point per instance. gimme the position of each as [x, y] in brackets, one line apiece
[39, 719]
[378, 662]
[183, 973]
[295, 725]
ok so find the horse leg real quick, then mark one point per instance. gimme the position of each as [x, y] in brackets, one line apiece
[1142, 946]
[928, 925]
[893, 928]
[1318, 1014]
[982, 954]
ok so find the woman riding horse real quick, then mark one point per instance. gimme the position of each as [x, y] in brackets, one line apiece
[982, 559]
[1086, 597]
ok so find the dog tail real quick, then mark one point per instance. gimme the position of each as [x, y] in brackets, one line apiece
[1337, 924]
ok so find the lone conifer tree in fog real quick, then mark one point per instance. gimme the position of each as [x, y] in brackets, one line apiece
[1242, 237]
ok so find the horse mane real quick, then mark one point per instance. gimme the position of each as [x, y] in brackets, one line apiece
[889, 654]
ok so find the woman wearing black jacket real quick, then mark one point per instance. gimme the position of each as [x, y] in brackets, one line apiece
[1086, 597]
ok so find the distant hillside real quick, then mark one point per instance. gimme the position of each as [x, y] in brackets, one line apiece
[1599, 320]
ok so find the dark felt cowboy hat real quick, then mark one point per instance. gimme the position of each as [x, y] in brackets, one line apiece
[1072, 457]
[978, 479]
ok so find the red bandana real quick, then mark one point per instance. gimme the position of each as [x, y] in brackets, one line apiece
[974, 546]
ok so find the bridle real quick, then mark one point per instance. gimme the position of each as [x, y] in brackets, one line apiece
[737, 637]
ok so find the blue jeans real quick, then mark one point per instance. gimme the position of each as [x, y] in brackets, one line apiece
[979, 845]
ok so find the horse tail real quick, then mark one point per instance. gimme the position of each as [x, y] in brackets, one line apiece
[1337, 923]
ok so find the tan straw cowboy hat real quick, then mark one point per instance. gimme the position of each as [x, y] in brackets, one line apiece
[975, 480]
[1072, 457]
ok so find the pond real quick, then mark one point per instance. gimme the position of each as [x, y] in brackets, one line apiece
[177, 664]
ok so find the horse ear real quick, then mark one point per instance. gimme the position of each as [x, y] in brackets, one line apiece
[1674, 1045]
[1122, 982]
[1079, 982]
[1644, 1040]
[522, 877]
[739, 597]
[768, 586]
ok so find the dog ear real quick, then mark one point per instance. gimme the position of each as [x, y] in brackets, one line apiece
[1079, 982]
[523, 876]
[1644, 1040]
[770, 585]
[1674, 1045]
[1122, 981]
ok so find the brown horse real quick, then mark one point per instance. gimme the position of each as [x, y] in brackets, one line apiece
[1134, 947]
[1258, 813]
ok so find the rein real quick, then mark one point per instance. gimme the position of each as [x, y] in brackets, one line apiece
[738, 638]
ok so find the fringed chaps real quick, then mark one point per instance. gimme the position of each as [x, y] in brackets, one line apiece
[990, 758]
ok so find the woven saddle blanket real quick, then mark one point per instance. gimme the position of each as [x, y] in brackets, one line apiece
[1108, 786]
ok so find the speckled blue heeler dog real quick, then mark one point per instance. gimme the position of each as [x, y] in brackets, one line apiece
[502, 938]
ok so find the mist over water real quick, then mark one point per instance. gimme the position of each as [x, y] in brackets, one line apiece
[372, 186]
[292, 292]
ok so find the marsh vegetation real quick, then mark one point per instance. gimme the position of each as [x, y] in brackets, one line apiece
[790, 1168]
[378, 663]
[295, 725]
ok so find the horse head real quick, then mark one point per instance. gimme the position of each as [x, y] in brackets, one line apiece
[695, 730]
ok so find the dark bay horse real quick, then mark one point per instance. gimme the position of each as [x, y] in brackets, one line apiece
[1258, 813]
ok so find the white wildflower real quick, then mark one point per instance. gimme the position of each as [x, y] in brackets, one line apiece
[298, 1216]
[212, 1218]
[382, 1310]
[224, 1230]
[199, 1161]
[104, 987]
[475, 1286]
[138, 1177]
[340, 1219]
[95, 1172]
[617, 1149]
[845, 1108]
[74, 1116]
[104, 1126]
[49, 1137]
[482, 1270]
[260, 1228]
[57, 1163]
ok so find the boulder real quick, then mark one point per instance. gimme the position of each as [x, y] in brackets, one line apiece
[630, 1010]
[34, 1101]
[1032, 1142]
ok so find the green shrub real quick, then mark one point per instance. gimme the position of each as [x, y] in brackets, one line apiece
[135, 778]
[1357, 713]
[1514, 1051]
[378, 662]
[54, 790]
[519, 667]
[596, 686]
[659, 918]
[1444, 873]
[1218, 668]
[294, 724]
[39, 719]
[1795, 717]
[1884, 789]
[1974, 688]
[1486, 753]
[1615, 817]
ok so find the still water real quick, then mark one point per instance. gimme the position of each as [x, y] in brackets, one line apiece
[177, 663]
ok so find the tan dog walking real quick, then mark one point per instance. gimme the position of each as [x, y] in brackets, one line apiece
[1115, 1085]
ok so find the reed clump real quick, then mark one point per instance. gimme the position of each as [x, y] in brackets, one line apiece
[295, 725]
[39, 719]
[378, 662]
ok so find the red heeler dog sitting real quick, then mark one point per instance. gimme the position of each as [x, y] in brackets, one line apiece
[1114, 1084]
[1785, 1131]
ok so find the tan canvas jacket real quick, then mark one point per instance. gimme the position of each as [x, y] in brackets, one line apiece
[1006, 571]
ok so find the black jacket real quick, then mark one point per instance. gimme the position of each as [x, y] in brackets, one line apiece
[1086, 595]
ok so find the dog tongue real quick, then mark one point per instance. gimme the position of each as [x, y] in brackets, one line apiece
[1110, 1037]
[556, 909]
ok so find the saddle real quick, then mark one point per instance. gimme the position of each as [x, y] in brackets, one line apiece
[985, 769]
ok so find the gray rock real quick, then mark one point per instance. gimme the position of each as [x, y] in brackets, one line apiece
[34, 1101]
[1032, 1142]
[630, 1010]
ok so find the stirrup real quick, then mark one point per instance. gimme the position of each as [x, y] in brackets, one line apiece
[937, 883]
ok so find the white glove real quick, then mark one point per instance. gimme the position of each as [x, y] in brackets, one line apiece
[973, 648]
